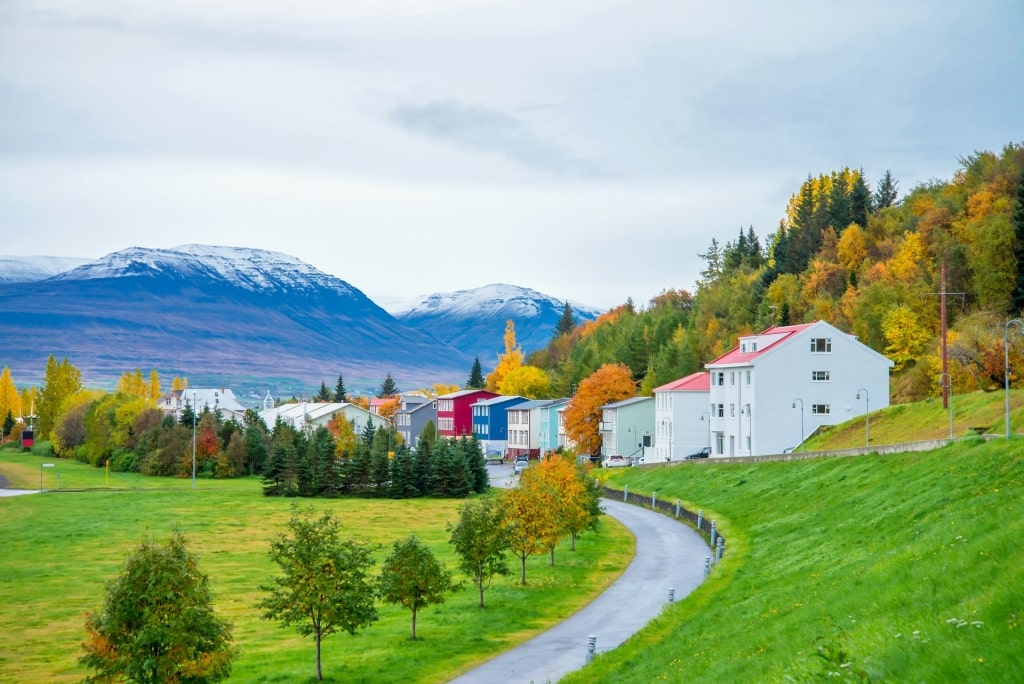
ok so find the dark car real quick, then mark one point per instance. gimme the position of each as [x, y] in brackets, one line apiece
[703, 453]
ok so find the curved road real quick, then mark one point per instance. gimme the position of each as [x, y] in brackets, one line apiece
[668, 555]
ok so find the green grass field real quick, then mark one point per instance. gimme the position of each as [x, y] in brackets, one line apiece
[905, 568]
[57, 550]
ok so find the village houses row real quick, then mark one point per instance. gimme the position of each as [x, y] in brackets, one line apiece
[765, 396]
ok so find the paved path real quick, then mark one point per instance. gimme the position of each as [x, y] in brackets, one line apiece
[668, 555]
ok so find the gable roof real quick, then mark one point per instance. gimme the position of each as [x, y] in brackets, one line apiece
[769, 339]
[694, 382]
[626, 402]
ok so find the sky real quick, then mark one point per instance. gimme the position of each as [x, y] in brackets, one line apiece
[588, 149]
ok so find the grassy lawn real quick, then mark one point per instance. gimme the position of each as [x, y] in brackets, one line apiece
[905, 568]
[60, 547]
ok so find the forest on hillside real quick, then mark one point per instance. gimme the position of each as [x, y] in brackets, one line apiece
[858, 255]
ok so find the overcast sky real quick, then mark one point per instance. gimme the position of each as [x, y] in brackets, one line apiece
[589, 149]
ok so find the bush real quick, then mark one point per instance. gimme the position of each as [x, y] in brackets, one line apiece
[124, 461]
[43, 450]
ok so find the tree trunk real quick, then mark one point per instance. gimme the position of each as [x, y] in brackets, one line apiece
[414, 624]
[522, 561]
[573, 541]
[552, 556]
[480, 586]
[319, 674]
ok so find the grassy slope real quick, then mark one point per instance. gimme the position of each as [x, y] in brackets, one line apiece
[906, 568]
[58, 549]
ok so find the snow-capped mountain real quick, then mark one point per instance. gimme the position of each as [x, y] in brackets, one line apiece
[26, 269]
[473, 321]
[206, 311]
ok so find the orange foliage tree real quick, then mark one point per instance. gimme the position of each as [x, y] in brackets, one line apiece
[610, 382]
[528, 514]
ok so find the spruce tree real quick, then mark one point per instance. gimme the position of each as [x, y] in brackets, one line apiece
[476, 376]
[567, 322]
[340, 394]
[860, 201]
[324, 394]
[388, 388]
[886, 192]
[1017, 296]
[839, 202]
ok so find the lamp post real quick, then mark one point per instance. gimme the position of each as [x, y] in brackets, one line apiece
[867, 417]
[668, 422]
[801, 420]
[706, 413]
[946, 382]
[1006, 368]
[193, 439]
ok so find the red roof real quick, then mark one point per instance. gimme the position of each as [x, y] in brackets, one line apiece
[694, 382]
[779, 334]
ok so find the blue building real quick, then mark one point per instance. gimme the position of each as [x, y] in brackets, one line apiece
[490, 423]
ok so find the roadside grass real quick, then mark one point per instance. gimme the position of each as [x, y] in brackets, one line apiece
[59, 548]
[899, 568]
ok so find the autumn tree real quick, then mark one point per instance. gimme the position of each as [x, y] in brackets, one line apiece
[480, 538]
[507, 362]
[1017, 296]
[60, 381]
[157, 623]
[528, 514]
[132, 384]
[476, 376]
[526, 381]
[583, 413]
[10, 401]
[412, 577]
[325, 585]
[578, 507]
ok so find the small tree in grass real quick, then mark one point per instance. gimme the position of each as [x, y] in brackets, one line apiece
[413, 578]
[325, 586]
[481, 539]
[157, 623]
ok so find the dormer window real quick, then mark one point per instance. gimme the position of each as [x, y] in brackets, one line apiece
[821, 345]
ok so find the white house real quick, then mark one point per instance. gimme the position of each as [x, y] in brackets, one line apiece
[627, 427]
[524, 427]
[313, 415]
[775, 388]
[682, 424]
[215, 399]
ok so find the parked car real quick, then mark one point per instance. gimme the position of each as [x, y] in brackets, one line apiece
[521, 463]
[616, 461]
[703, 453]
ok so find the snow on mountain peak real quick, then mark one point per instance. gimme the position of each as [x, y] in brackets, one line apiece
[248, 268]
[508, 299]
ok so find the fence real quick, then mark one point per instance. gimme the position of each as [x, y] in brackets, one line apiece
[704, 527]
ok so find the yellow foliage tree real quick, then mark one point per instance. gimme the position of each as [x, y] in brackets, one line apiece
[507, 362]
[906, 339]
[131, 384]
[389, 408]
[852, 248]
[154, 385]
[610, 382]
[526, 381]
[905, 266]
[528, 512]
[10, 401]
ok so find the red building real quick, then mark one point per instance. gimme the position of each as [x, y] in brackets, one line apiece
[455, 412]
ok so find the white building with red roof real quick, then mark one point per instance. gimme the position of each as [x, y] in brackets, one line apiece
[774, 389]
[681, 418]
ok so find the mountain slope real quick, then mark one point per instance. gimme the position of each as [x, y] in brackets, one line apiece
[212, 311]
[27, 269]
[473, 321]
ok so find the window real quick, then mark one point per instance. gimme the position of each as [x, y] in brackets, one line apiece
[732, 378]
[718, 410]
[719, 443]
[821, 409]
[821, 376]
[753, 346]
[743, 346]
[748, 377]
[721, 379]
[821, 345]
[732, 410]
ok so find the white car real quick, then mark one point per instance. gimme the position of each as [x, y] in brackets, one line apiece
[616, 461]
[522, 462]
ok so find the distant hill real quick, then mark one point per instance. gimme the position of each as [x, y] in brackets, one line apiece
[213, 312]
[473, 321]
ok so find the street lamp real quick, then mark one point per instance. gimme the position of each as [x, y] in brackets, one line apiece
[946, 382]
[668, 421]
[867, 417]
[709, 426]
[1006, 369]
[193, 439]
[801, 420]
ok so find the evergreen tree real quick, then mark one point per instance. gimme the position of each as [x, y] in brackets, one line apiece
[403, 475]
[476, 376]
[388, 388]
[714, 259]
[324, 394]
[886, 192]
[839, 202]
[860, 201]
[1017, 297]
[256, 448]
[340, 395]
[567, 322]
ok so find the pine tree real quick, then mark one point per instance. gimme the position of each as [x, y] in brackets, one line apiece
[324, 394]
[886, 192]
[388, 388]
[860, 202]
[340, 395]
[839, 202]
[567, 322]
[476, 376]
[1017, 296]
